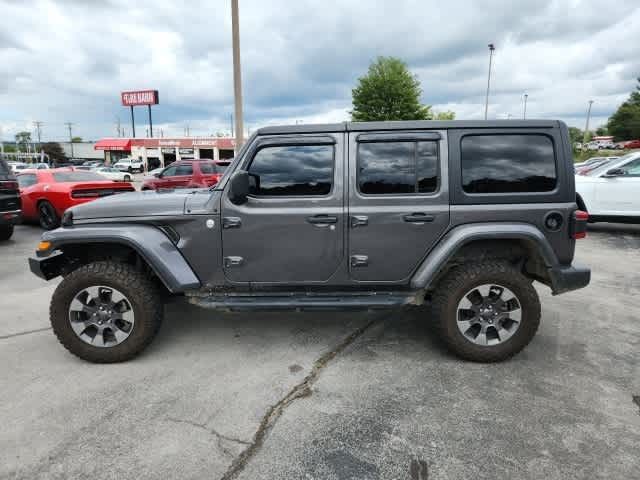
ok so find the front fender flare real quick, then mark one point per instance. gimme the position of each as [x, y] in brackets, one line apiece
[164, 258]
[463, 234]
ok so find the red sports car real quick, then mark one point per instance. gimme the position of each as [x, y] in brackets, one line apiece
[187, 174]
[46, 194]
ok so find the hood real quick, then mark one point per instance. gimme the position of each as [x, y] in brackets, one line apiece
[134, 204]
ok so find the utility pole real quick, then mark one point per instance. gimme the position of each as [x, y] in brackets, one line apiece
[38, 125]
[586, 127]
[118, 126]
[524, 111]
[231, 123]
[237, 74]
[486, 101]
[69, 125]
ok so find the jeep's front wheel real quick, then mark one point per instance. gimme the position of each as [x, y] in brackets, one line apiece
[486, 311]
[106, 312]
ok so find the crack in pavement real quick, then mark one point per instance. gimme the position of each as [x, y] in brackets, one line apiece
[301, 390]
[212, 431]
[19, 334]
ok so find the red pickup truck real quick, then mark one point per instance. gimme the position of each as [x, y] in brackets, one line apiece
[187, 174]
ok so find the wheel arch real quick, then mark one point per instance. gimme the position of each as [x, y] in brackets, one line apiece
[520, 243]
[145, 246]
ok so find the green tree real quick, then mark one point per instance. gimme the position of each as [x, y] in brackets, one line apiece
[22, 140]
[448, 115]
[389, 91]
[624, 124]
[576, 135]
[76, 139]
[54, 151]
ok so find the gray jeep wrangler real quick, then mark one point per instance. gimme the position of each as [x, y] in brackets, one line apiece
[459, 216]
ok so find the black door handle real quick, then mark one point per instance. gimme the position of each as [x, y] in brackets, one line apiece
[418, 217]
[322, 219]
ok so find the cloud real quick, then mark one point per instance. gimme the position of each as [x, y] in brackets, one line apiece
[301, 59]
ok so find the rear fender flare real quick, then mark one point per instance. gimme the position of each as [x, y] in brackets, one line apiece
[456, 238]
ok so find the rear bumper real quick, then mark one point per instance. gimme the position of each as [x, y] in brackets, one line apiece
[10, 218]
[565, 279]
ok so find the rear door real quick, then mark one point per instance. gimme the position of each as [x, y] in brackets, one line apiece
[398, 202]
[291, 229]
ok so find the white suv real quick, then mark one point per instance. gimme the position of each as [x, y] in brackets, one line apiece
[129, 165]
[611, 193]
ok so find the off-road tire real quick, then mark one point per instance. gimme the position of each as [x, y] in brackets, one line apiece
[139, 289]
[130, 169]
[44, 223]
[6, 232]
[460, 280]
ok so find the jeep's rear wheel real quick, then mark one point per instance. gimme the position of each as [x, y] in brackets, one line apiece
[486, 311]
[106, 312]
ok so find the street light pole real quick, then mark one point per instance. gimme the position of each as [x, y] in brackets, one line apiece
[586, 127]
[69, 125]
[524, 111]
[237, 75]
[486, 102]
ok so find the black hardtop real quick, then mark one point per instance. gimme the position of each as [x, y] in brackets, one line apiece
[406, 125]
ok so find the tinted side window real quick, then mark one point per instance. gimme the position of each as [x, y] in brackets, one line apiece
[292, 170]
[507, 163]
[397, 167]
[184, 170]
[169, 172]
[27, 179]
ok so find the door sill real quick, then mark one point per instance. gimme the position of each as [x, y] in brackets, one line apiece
[305, 302]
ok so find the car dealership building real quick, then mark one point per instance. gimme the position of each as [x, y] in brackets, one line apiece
[159, 152]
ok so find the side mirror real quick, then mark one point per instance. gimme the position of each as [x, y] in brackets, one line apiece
[157, 174]
[239, 187]
[615, 172]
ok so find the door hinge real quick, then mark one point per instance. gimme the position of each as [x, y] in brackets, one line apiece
[359, 260]
[233, 261]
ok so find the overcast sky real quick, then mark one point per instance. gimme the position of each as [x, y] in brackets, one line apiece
[68, 60]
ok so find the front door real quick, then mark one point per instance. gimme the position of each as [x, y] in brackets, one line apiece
[398, 202]
[620, 195]
[291, 229]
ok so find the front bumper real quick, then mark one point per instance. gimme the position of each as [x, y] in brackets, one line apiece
[47, 267]
[10, 218]
[564, 279]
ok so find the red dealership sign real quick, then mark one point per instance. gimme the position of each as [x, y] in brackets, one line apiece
[139, 97]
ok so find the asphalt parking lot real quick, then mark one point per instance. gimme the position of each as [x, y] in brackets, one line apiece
[328, 396]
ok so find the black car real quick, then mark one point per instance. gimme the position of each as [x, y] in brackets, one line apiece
[10, 205]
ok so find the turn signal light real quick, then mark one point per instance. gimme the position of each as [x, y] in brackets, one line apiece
[579, 229]
[43, 246]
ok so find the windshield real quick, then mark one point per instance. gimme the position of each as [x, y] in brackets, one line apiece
[77, 177]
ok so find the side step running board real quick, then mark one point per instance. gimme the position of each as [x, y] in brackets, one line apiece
[301, 302]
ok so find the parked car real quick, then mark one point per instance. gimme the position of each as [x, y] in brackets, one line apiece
[41, 166]
[46, 194]
[189, 174]
[17, 166]
[611, 193]
[632, 144]
[113, 174]
[130, 165]
[10, 205]
[585, 169]
[93, 163]
[344, 216]
[588, 161]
